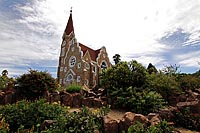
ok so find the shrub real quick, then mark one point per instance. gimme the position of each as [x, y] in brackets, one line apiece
[73, 88]
[33, 84]
[162, 127]
[83, 121]
[189, 82]
[4, 127]
[164, 84]
[188, 120]
[140, 102]
[29, 114]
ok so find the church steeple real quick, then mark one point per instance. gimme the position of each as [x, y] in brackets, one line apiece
[69, 28]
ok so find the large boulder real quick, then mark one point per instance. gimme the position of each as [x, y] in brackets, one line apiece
[130, 118]
[76, 100]
[126, 121]
[141, 118]
[110, 125]
[88, 101]
[168, 113]
[192, 96]
[155, 120]
[66, 99]
[55, 96]
[194, 106]
[98, 102]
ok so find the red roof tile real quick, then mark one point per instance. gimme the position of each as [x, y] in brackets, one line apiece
[93, 53]
[69, 28]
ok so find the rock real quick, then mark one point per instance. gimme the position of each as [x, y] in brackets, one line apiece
[151, 115]
[155, 120]
[182, 98]
[76, 102]
[127, 121]
[55, 96]
[141, 118]
[194, 106]
[168, 113]
[197, 90]
[66, 99]
[110, 125]
[192, 96]
[97, 102]
[88, 101]
[91, 94]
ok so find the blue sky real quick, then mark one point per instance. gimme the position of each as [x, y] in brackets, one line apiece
[161, 32]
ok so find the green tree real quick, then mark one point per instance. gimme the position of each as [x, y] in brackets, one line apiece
[138, 74]
[189, 81]
[33, 84]
[117, 76]
[5, 80]
[4, 73]
[151, 69]
[171, 69]
[166, 85]
[116, 58]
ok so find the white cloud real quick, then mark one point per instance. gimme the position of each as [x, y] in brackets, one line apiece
[189, 59]
[129, 28]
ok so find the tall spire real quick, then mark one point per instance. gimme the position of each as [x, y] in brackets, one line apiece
[69, 28]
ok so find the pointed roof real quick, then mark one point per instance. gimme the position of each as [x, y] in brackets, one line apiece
[93, 53]
[69, 28]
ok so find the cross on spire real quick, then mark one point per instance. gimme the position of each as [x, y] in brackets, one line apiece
[69, 28]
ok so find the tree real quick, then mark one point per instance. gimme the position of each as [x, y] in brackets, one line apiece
[171, 69]
[138, 74]
[33, 84]
[116, 58]
[4, 73]
[166, 85]
[4, 80]
[151, 69]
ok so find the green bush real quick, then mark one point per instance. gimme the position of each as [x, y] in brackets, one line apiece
[33, 84]
[140, 102]
[162, 127]
[188, 120]
[29, 114]
[164, 84]
[189, 82]
[83, 121]
[73, 88]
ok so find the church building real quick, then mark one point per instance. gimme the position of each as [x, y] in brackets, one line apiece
[77, 62]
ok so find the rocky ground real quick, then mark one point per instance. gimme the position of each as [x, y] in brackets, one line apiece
[118, 115]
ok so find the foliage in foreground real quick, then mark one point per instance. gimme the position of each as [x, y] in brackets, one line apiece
[83, 121]
[162, 127]
[33, 84]
[30, 114]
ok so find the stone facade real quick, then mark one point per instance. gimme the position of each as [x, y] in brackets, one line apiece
[79, 63]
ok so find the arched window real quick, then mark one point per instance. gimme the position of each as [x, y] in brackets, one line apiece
[69, 77]
[103, 65]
